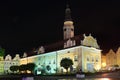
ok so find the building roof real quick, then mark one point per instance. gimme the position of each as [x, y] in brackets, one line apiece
[57, 45]
[79, 40]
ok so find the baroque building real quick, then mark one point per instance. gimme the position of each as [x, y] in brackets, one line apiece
[8, 62]
[83, 50]
[118, 56]
[68, 28]
[111, 60]
[2, 52]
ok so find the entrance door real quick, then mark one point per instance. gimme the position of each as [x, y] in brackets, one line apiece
[90, 67]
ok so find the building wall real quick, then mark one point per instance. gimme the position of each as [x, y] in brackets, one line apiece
[91, 59]
[118, 56]
[72, 53]
[2, 51]
[111, 58]
[103, 61]
[1, 66]
[43, 61]
[79, 55]
[23, 61]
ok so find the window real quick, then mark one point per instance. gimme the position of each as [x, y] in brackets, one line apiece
[39, 58]
[54, 62]
[92, 59]
[72, 29]
[88, 59]
[76, 58]
[68, 52]
[97, 59]
[64, 29]
[49, 62]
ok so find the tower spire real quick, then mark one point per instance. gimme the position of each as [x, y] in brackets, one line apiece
[68, 28]
[68, 13]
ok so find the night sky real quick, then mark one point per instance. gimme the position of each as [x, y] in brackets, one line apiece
[25, 25]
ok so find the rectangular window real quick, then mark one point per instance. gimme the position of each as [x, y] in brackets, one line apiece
[76, 58]
[88, 59]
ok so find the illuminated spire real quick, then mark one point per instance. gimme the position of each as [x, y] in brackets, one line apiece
[68, 14]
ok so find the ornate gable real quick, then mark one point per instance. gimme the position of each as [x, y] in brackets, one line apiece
[89, 41]
[8, 58]
[118, 51]
[111, 53]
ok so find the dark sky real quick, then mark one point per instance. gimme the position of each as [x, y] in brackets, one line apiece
[28, 24]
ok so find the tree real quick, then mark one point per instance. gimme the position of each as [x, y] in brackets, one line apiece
[14, 68]
[66, 63]
[23, 68]
[2, 51]
[31, 67]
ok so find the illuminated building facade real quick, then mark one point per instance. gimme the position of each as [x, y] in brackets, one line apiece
[111, 58]
[82, 50]
[8, 62]
[85, 57]
[103, 62]
[2, 51]
[118, 56]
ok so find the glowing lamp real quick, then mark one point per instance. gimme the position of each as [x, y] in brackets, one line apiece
[103, 64]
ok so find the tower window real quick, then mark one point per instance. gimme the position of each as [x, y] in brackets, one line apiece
[71, 29]
[64, 29]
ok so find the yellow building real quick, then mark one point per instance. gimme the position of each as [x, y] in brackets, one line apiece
[118, 56]
[85, 57]
[1, 65]
[2, 51]
[83, 50]
[111, 58]
[103, 61]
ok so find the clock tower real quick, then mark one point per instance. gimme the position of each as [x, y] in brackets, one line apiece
[68, 28]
